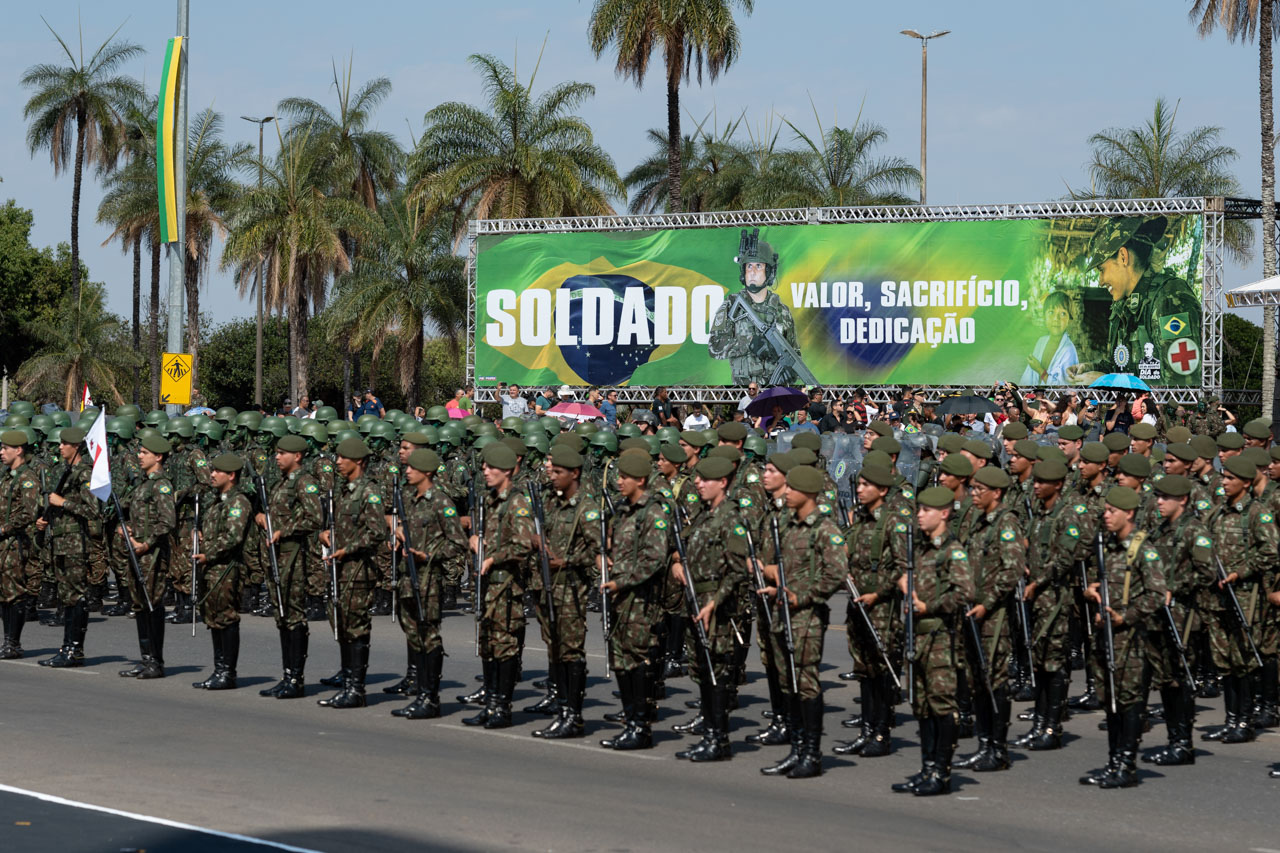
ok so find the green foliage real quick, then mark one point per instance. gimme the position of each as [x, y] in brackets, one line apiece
[32, 284]
[227, 363]
[1241, 353]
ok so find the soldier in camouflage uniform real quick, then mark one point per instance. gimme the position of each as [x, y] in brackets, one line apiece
[152, 518]
[1148, 306]
[320, 466]
[431, 530]
[383, 471]
[188, 471]
[1244, 537]
[125, 475]
[814, 564]
[943, 588]
[259, 459]
[1136, 581]
[20, 504]
[296, 520]
[223, 523]
[737, 338]
[997, 550]
[70, 524]
[358, 532]
[509, 543]
[1205, 419]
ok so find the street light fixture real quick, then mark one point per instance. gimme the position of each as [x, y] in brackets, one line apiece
[257, 363]
[924, 96]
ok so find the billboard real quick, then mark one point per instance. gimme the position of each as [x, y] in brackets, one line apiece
[1035, 301]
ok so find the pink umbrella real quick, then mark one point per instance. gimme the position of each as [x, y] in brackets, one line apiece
[456, 413]
[579, 411]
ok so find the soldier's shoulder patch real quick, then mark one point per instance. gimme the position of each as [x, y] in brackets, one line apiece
[692, 497]
[1073, 532]
[375, 498]
[311, 488]
[739, 530]
[1150, 555]
[825, 509]
[1204, 542]
[235, 512]
[958, 554]
[1007, 535]
[837, 539]
[908, 494]
[201, 462]
[326, 466]
[28, 484]
[1081, 509]
[904, 511]
[753, 477]
[660, 523]
[1220, 492]
[164, 489]
[394, 469]
[1266, 518]
[450, 512]
[592, 515]
[665, 492]
[1203, 505]
[900, 527]
[744, 502]
[521, 511]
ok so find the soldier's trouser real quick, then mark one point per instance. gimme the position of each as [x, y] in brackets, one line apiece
[934, 670]
[220, 593]
[1051, 637]
[567, 640]
[180, 569]
[356, 584]
[155, 569]
[1130, 658]
[502, 625]
[1162, 655]
[72, 574]
[97, 559]
[14, 569]
[867, 661]
[632, 634]
[317, 574]
[294, 564]
[422, 637]
[997, 644]
[808, 631]
[254, 555]
[724, 645]
[1230, 652]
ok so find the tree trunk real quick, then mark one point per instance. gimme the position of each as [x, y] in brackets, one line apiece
[137, 310]
[191, 283]
[1265, 12]
[75, 206]
[674, 202]
[346, 377]
[154, 343]
[298, 340]
[415, 369]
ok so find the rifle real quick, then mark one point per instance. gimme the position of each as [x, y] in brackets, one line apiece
[477, 528]
[1021, 609]
[691, 600]
[195, 549]
[539, 526]
[133, 556]
[1241, 621]
[909, 641]
[788, 641]
[984, 668]
[871, 628]
[410, 562]
[395, 612]
[786, 360]
[766, 615]
[326, 554]
[47, 514]
[260, 487]
[846, 514]
[604, 578]
[1108, 630]
[1176, 636]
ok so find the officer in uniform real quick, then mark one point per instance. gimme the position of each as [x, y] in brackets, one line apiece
[74, 508]
[1147, 306]
[735, 336]
[153, 515]
[20, 504]
[223, 524]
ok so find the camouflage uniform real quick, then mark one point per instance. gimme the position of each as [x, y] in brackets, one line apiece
[733, 337]
[877, 549]
[125, 475]
[20, 497]
[715, 550]
[152, 517]
[434, 528]
[360, 527]
[256, 560]
[944, 582]
[296, 515]
[639, 549]
[223, 524]
[997, 550]
[188, 471]
[816, 563]
[508, 542]
[321, 469]
[70, 528]
[573, 533]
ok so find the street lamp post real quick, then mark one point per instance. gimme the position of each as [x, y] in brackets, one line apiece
[924, 98]
[257, 362]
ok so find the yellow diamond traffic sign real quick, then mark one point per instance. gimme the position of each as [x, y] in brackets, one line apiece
[175, 378]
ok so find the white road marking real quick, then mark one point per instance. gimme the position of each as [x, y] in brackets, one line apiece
[77, 670]
[596, 750]
[49, 798]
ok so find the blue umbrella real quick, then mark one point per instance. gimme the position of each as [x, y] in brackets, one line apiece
[789, 399]
[1121, 382]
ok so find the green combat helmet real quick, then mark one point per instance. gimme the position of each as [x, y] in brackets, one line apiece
[213, 433]
[628, 430]
[33, 440]
[668, 435]
[129, 410]
[654, 444]
[512, 424]
[586, 429]
[448, 435]
[365, 422]
[147, 432]
[432, 434]
[537, 443]
[291, 424]
[62, 419]
[40, 423]
[381, 435]
[271, 430]
[118, 429]
[316, 434]
[485, 428]
[154, 418]
[326, 414]
[550, 424]
[225, 415]
[756, 446]
[393, 415]
[471, 420]
[604, 443]
[54, 437]
[17, 421]
[753, 250]
[437, 415]
[179, 426]
[485, 440]
[22, 407]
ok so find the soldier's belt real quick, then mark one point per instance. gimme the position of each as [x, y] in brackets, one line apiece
[704, 587]
[929, 625]
[498, 576]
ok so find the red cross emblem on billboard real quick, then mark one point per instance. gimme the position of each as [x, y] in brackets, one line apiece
[1184, 356]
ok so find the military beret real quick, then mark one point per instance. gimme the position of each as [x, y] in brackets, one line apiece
[416, 438]
[811, 440]
[424, 460]
[1226, 441]
[227, 462]
[14, 438]
[1015, 430]
[1026, 448]
[1049, 471]
[784, 462]
[715, 468]
[1116, 442]
[1258, 428]
[635, 465]
[951, 442]
[292, 444]
[1071, 432]
[727, 452]
[1135, 465]
[877, 457]
[880, 428]
[674, 454]
[633, 443]
[571, 440]
[1122, 497]
[565, 456]
[805, 478]
[72, 435]
[993, 477]
[1257, 455]
[516, 443]
[732, 431]
[888, 444]
[978, 448]
[1049, 451]
[1241, 467]
[495, 455]
[1185, 452]
[1157, 454]
[693, 438]
[1178, 435]
[1142, 432]
[956, 465]
[157, 444]
[1094, 451]
[1172, 485]
[1205, 446]
[804, 456]
[936, 497]
[877, 475]
[1275, 452]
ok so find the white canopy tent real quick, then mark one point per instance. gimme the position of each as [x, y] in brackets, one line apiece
[1260, 294]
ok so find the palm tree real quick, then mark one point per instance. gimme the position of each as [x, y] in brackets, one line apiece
[838, 170]
[1154, 160]
[87, 97]
[695, 34]
[523, 158]
[292, 225]
[701, 158]
[1246, 20]
[409, 278]
[82, 345]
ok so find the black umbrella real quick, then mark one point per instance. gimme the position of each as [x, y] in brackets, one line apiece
[966, 404]
[789, 399]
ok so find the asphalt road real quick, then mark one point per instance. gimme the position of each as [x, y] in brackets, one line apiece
[293, 773]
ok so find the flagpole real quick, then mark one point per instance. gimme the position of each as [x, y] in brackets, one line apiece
[178, 250]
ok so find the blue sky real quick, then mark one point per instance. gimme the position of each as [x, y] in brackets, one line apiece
[1014, 91]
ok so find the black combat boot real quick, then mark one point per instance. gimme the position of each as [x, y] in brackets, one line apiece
[153, 667]
[572, 685]
[1241, 695]
[628, 706]
[1229, 703]
[997, 757]
[124, 601]
[284, 665]
[928, 741]
[226, 679]
[294, 686]
[964, 705]
[882, 698]
[339, 678]
[407, 686]
[1180, 711]
[71, 654]
[182, 612]
[549, 704]
[7, 609]
[426, 704]
[1093, 777]
[315, 611]
[1039, 712]
[701, 724]
[52, 618]
[1267, 714]
[48, 594]
[1087, 701]
[500, 710]
[810, 763]
[352, 694]
[264, 605]
[144, 647]
[556, 687]
[775, 734]
[381, 603]
[481, 694]
[449, 601]
[983, 724]
[937, 779]
[218, 662]
[795, 724]
[716, 740]
[93, 600]
[868, 719]
[637, 734]
[1124, 771]
[1050, 736]
[697, 725]
[18, 616]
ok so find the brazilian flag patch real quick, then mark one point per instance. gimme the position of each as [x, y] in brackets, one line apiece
[28, 484]
[900, 528]
[450, 512]
[1173, 326]
[1266, 518]
[1007, 535]
[908, 494]
[200, 463]
[1073, 532]
[904, 511]
[837, 539]
[753, 478]
[592, 515]
[375, 499]
[1220, 492]
[310, 488]
[164, 490]
[740, 530]
[660, 523]
[1203, 506]
[692, 497]
[744, 502]
[1150, 555]
[1080, 509]
[522, 512]
[957, 554]
[1203, 542]
[235, 512]
[824, 509]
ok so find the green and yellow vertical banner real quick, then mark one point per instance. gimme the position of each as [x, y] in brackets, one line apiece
[166, 133]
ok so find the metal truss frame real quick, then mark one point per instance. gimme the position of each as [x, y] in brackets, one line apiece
[1216, 210]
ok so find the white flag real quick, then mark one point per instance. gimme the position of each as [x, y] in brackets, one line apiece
[86, 400]
[96, 440]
